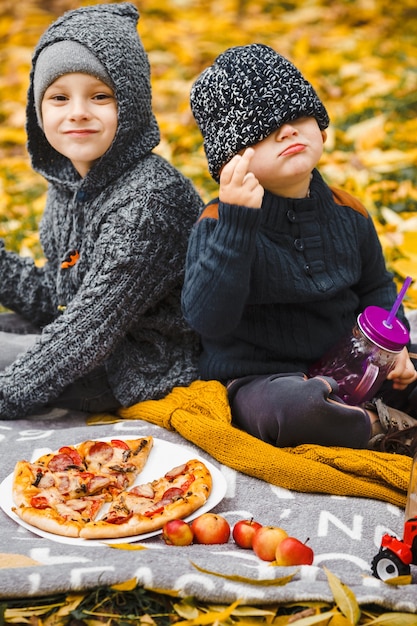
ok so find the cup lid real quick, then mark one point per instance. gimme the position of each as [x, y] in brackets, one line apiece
[372, 322]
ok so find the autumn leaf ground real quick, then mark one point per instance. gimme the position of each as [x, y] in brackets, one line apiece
[361, 58]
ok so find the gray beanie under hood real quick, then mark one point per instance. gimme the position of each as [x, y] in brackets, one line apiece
[246, 94]
[104, 41]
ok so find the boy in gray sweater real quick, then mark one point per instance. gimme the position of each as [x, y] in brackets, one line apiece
[106, 304]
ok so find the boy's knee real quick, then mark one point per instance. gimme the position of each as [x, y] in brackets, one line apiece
[291, 409]
[313, 413]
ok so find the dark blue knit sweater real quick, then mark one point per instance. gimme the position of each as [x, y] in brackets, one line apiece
[271, 290]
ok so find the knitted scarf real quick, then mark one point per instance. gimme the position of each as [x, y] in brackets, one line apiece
[201, 414]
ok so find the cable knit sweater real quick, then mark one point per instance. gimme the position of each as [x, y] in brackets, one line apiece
[129, 219]
[271, 290]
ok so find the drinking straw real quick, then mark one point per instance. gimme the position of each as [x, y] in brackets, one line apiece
[399, 299]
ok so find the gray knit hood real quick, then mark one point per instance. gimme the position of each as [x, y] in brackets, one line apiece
[109, 32]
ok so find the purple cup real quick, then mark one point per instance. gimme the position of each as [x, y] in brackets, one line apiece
[363, 359]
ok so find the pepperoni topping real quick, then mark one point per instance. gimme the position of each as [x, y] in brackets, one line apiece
[60, 462]
[117, 443]
[169, 496]
[172, 493]
[76, 458]
[101, 451]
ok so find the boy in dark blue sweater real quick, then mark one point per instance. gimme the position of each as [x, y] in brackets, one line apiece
[280, 265]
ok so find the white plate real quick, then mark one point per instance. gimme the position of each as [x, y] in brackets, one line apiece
[164, 456]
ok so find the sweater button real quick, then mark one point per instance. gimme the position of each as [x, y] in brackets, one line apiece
[307, 269]
[291, 215]
[299, 245]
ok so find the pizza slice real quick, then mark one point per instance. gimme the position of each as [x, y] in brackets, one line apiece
[146, 508]
[121, 460]
[60, 492]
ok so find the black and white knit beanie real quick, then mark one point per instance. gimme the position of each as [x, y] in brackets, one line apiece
[246, 94]
[64, 57]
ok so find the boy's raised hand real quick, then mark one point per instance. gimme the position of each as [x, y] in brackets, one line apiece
[238, 185]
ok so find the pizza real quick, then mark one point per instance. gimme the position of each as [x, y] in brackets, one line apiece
[147, 507]
[89, 490]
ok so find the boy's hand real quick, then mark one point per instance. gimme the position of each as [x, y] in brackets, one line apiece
[404, 372]
[238, 185]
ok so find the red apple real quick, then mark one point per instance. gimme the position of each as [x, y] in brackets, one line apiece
[266, 540]
[176, 532]
[210, 528]
[243, 532]
[292, 551]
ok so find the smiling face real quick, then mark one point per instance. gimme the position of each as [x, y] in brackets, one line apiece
[284, 160]
[79, 116]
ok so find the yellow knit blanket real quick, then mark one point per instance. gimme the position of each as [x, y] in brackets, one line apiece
[201, 414]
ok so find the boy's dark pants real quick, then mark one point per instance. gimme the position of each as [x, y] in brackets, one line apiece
[291, 409]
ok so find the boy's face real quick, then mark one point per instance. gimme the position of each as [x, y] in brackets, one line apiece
[79, 116]
[283, 161]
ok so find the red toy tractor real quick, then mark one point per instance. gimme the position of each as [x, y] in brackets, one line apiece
[396, 555]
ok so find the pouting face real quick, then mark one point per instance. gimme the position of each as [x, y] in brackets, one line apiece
[283, 161]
